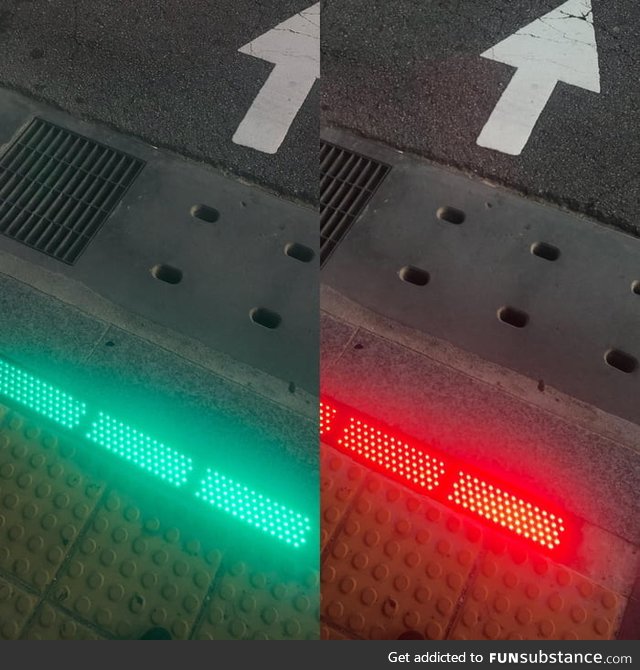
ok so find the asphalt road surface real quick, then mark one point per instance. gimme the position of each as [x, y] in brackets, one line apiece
[168, 72]
[411, 75]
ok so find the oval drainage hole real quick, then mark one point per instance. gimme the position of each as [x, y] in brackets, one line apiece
[299, 252]
[635, 287]
[513, 317]
[265, 318]
[620, 361]
[413, 275]
[451, 215]
[167, 273]
[546, 251]
[205, 213]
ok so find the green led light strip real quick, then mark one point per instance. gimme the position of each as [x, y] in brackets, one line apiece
[39, 396]
[140, 449]
[168, 464]
[254, 508]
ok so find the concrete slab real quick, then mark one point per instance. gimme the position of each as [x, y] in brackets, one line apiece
[544, 396]
[515, 281]
[135, 381]
[227, 271]
[334, 337]
[43, 333]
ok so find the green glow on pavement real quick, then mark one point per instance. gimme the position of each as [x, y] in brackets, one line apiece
[170, 465]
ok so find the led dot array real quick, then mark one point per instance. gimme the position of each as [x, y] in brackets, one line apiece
[255, 509]
[327, 415]
[395, 455]
[39, 396]
[507, 510]
[140, 449]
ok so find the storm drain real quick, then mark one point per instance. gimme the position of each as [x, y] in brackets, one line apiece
[347, 182]
[57, 188]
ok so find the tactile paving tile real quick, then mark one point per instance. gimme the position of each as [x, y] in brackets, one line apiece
[328, 633]
[340, 478]
[16, 606]
[50, 623]
[399, 563]
[44, 500]
[516, 595]
[251, 604]
[130, 574]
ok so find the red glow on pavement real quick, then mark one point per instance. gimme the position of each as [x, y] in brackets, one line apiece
[425, 470]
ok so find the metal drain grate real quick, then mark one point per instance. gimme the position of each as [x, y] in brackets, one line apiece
[57, 188]
[347, 182]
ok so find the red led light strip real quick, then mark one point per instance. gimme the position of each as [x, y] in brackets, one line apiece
[424, 470]
[327, 414]
[397, 457]
[507, 510]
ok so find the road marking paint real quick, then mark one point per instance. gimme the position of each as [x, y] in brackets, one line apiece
[559, 46]
[294, 47]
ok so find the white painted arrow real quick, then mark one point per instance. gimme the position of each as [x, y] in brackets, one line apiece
[294, 47]
[559, 46]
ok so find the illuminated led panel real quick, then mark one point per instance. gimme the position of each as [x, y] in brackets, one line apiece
[327, 415]
[507, 510]
[255, 509]
[40, 396]
[143, 451]
[395, 455]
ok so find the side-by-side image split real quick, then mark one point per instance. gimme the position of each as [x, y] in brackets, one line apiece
[480, 319]
[320, 321]
[158, 325]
